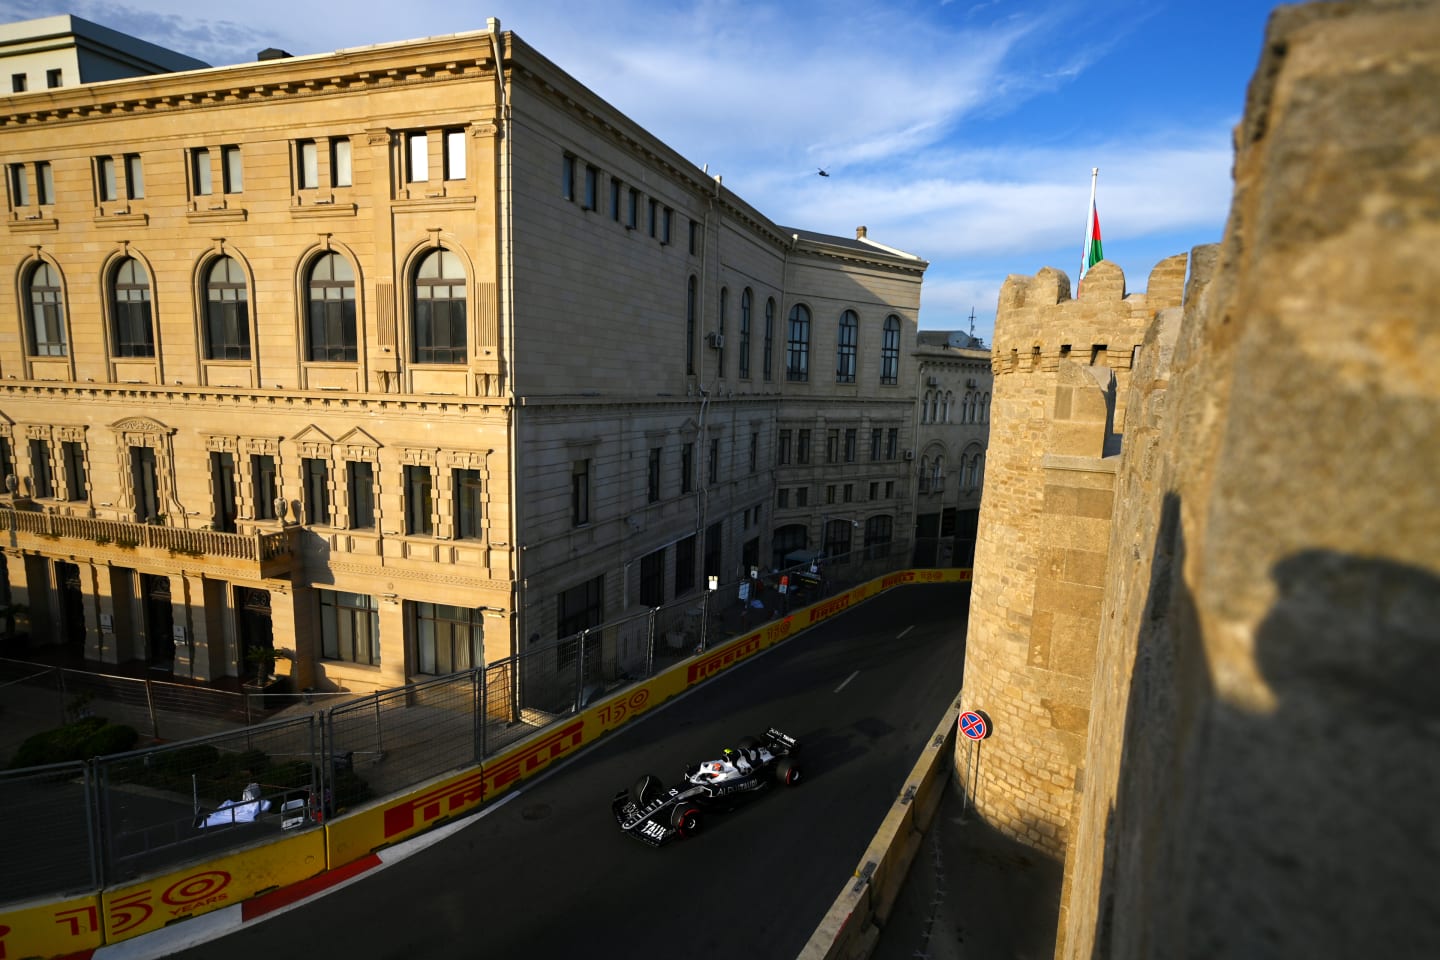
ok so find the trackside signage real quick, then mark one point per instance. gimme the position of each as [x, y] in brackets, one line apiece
[52, 929]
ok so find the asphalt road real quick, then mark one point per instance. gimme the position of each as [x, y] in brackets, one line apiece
[548, 874]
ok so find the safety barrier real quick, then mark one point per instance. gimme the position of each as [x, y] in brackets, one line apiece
[120, 912]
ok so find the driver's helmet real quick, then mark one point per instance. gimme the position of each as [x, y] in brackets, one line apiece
[730, 755]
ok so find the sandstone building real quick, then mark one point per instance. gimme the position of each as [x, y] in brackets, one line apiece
[1208, 574]
[955, 380]
[412, 356]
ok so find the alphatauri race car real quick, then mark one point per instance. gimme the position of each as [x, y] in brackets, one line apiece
[656, 814]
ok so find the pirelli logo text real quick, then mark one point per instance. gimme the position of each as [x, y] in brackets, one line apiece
[425, 808]
[510, 770]
[895, 579]
[713, 664]
[830, 608]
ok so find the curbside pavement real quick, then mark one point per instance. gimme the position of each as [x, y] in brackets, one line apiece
[851, 928]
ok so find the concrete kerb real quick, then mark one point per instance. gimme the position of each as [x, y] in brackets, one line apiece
[852, 926]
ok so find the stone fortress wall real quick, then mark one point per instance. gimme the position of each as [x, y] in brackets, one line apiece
[1204, 620]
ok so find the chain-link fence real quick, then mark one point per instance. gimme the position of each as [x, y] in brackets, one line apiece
[47, 845]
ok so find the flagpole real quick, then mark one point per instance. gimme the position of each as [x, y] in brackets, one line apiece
[1089, 219]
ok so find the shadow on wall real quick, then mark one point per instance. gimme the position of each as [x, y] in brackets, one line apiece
[1310, 830]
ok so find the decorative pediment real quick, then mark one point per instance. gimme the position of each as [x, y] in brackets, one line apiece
[314, 443]
[141, 425]
[358, 445]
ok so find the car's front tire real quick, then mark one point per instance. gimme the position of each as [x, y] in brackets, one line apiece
[687, 820]
[787, 771]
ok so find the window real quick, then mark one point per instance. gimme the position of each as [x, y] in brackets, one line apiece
[17, 83]
[767, 357]
[200, 172]
[832, 446]
[714, 547]
[829, 493]
[615, 189]
[107, 183]
[685, 565]
[592, 188]
[417, 157]
[713, 468]
[876, 436]
[44, 183]
[454, 154]
[134, 177]
[73, 454]
[440, 317]
[330, 311]
[720, 350]
[567, 177]
[133, 332]
[234, 172]
[754, 452]
[694, 237]
[690, 295]
[19, 185]
[307, 165]
[447, 639]
[469, 509]
[851, 442]
[360, 493]
[42, 483]
[47, 314]
[802, 496]
[7, 459]
[890, 351]
[797, 347]
[782, 448]
[652, 477]
[222, 490]
[849, 492]
[874, 489]
[580, 493]
[745, 299]
[579, 608]
[227, 313]
[667, 222]
[837, 540]
[263, 487]
[53, 78]
[802, 447]
[316, 476]
[687, 468]
[892, 443]
[889, 489]
[340, 173]
[878, 536]
[846, 339]
[349, 627]
[632, 215]
[654, 217]
[782, 498]
[419, 501]
[652, 578]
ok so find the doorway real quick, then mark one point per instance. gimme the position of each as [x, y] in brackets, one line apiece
[159, 622]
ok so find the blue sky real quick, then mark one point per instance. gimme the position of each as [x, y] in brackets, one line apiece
[959, 130]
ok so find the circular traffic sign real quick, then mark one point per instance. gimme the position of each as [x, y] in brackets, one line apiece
[974, 725]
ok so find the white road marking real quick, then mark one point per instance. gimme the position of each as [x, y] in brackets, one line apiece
[847, 680]
[905, 631]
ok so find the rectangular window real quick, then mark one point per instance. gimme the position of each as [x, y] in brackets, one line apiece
[577, 609]
[685, 565]
[567, 177]
[417, 157]
[7, 461]
[782, 448]
[316, 475]
[667, 222]
[592, 188]
[652, 578]
[802, 447]
[874, 489]
[222, 490]
[687, 468]
[53, 78]
[714, 549]
[468, 506]
[713, 468]
[829, 493]
[447, 639]
[615, 189]
[263, 488]
[419, 501]
[654, 217]
[782, 498]
[875, 437]
[340, 162]
[134, 177]
[802, 496]
[832, 446]
[234, 171]
[632, 212]
[754, 452]
[19, 185]
[851, 441]
[580, 492]
[73, 454]
[694, 238]
[360, 489]
[892, 443]
[42, 485]
[44, 183]
[105, 180]
[349, 627]
[307, 165]
[200, 171]
[652, 477]
[454, 154]
[849, 493]
[889, 489]
[17, 83]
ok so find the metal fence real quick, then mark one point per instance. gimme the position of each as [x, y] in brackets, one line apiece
[128, 814]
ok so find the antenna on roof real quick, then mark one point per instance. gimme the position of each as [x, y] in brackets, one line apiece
[972, 323]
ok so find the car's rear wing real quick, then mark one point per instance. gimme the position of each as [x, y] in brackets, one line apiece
[782, 740]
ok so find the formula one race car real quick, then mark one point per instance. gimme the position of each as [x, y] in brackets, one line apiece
[656, 814]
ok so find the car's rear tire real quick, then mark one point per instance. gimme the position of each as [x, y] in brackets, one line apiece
[687, 820]
[787, 771]
[647, 789]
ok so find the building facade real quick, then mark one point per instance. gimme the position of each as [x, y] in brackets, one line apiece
[410, 357]
[954, 380]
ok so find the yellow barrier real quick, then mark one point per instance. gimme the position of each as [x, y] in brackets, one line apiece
[190, 891]
[51, 929]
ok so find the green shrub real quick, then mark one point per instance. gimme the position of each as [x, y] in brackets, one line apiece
[111, 738]
[60, 745]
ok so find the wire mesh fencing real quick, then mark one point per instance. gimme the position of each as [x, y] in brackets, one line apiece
[48, 841]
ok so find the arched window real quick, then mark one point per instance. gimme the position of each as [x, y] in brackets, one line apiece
[132, 330]
[330, 311]
[949, 401]
[691, 293]
[846, 339]
[937, 477]
[227, 312]
[966, 408]
[440, 325]
[47, 315]
[985, 409]
[767, 364]
[797, 346]
[745, 303]
[924, 474]
[720, 341]
[890, 351]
